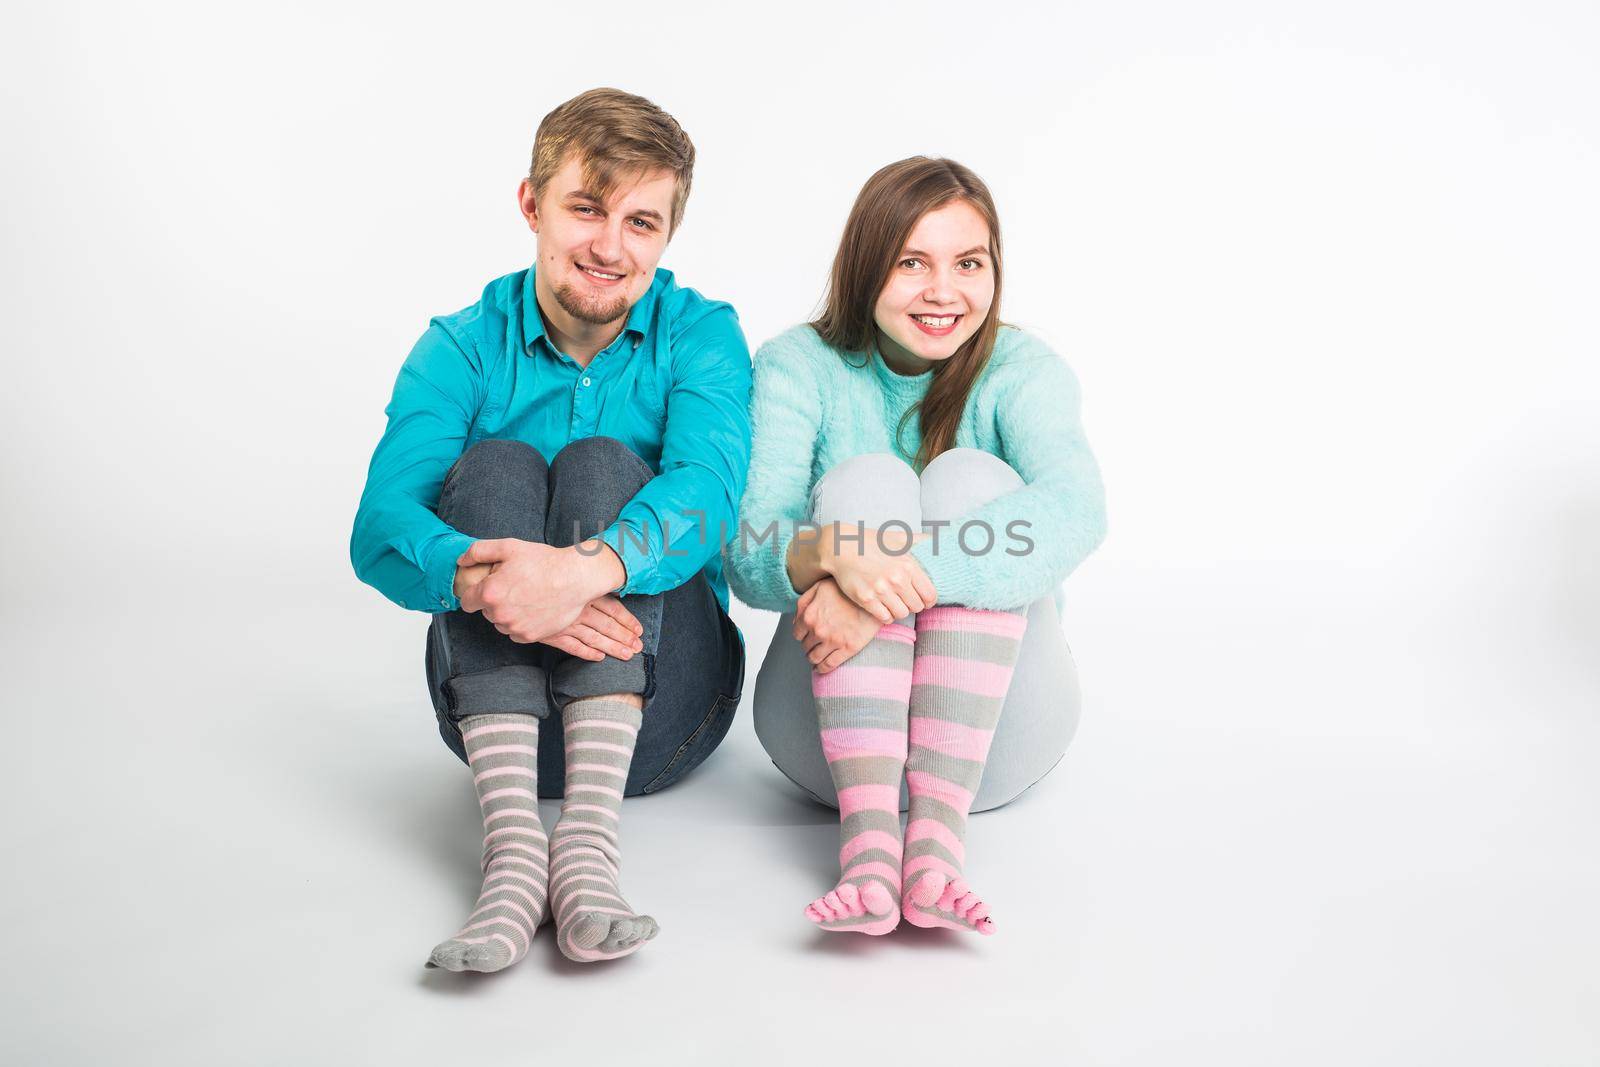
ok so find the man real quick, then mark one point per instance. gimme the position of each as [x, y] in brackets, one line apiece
[562, 463]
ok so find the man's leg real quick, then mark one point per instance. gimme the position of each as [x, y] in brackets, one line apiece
[697, 674]
[602, 711]
[490, 692]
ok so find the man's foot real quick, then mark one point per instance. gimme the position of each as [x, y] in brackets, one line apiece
[867, 908]
[937, 901]
[503, 754]
[593, 922]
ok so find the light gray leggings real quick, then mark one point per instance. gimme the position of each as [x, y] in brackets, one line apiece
[1041, 708]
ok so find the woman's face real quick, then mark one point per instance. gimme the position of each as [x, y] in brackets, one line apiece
[941, 285]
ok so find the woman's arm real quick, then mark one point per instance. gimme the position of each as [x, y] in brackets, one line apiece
[805, 561]
[1062, 502]
[785, 420]
[831, 627]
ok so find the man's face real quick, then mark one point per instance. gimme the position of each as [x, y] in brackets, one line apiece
[598, 259]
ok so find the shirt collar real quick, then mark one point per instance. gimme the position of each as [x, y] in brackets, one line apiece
[640, 315]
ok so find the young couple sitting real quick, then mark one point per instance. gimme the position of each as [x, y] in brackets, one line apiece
[569, 483]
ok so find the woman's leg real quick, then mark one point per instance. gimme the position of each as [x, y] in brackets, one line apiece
[1040, 715]
[964, 659]
[1036, 727]
[861, 715]
[488, 691]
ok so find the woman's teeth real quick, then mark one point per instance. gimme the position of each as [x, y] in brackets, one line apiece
[938, 322]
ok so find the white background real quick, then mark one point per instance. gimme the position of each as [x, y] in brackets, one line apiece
[1327, 275]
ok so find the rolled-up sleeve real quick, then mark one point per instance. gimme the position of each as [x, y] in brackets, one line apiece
[399, 545]
[679, 520]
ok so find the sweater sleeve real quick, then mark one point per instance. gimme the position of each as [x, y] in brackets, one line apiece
[1062, 500]
[785, 420]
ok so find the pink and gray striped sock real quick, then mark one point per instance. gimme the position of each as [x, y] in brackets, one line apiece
[593, 922]
[502, 751]
[861, 709]
[963, 667]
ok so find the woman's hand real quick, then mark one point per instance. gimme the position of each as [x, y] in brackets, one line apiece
[831, 627]
[877, 572]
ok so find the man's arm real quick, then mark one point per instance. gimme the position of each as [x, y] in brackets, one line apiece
[678, 521]
[399, 545]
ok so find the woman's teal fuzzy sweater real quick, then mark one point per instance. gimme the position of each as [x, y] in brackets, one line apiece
[812, 407]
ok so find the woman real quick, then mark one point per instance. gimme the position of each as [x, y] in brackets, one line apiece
[929, 656]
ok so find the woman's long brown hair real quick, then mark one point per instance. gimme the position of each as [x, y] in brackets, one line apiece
[885, 212]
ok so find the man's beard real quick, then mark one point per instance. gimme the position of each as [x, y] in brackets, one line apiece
[590, 309]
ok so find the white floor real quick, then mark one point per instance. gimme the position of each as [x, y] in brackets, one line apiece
[1297, 827]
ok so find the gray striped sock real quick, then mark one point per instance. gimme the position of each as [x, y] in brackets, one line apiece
[502, 751]
[593, 922]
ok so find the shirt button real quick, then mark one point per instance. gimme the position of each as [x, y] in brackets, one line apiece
[586, 381]
[444, 602]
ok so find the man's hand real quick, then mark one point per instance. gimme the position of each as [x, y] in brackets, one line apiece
[604, 628]
[533, 591]
[831, 627]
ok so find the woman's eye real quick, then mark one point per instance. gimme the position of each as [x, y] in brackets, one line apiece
[971, 264]
[910, 263]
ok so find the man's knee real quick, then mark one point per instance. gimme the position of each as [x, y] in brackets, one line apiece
[516, 478]
[497, 459]
[961, 480]
[598, 458]
[590, 481]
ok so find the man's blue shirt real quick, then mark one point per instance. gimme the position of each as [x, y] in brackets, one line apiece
[674, 386]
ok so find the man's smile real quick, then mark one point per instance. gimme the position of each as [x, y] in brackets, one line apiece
[598, 276]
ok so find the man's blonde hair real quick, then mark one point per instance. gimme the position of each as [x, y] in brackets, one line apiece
[614, 135]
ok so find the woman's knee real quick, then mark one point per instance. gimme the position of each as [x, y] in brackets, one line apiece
[871, 488]
[961, 480]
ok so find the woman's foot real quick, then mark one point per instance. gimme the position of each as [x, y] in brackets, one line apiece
[937, 901]
[861, 712]
[868, 908]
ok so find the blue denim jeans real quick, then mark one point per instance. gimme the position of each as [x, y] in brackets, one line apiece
[692, 667]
